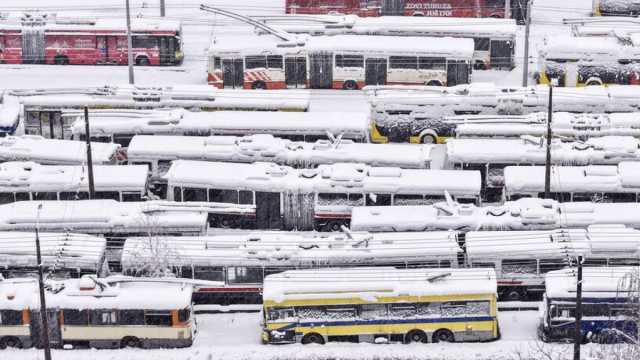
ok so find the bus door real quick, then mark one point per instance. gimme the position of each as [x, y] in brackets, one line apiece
[392, 8]
[233, 73]
[2, 47]
[457, 72]
[268, 210]
[295, 72]
[53, 322]
[321, 70]
[571, 74]
[33, 45]
[375, 72]
[167, 50]
[103, 49]
[501, 54]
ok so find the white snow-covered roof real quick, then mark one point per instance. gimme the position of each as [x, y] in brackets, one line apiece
[563, 124]
[621, 178]
[597, 282]
[102, 216]
[583, 48]
[335, 178]
[54, 151]
[268, 148]
[198, 97]
[52, 23]
[89, 293]
[33, 177]
[59, 251]
[372, 284]
[9, 113]
[353, 125]
[281, 249]
[598, 151]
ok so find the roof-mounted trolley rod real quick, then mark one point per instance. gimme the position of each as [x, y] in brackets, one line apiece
[283, 35]
[594, 20]
[305, 18]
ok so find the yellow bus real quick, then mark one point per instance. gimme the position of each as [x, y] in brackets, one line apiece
[380, 305]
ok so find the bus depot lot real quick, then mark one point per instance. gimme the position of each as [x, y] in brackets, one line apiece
[237, 336]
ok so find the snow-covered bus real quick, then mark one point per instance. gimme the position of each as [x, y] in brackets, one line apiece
[609, 305]
[380, 304]
[32, 181]
[97, 312]
[490, 156]
[494, 39]
[418, 113]
[616, 8]
[40, 110]
[120, 126]
[55, 152]
[66, 255]
[242, 261]
[597, 183]
[340, 62]
[281, 197]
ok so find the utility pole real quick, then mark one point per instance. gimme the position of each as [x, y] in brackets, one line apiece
[525, 62]
[129, 45]
[43, 304]
[507, 9]
[547, 164]
[162, 8]
[577, 341]
[92, 189]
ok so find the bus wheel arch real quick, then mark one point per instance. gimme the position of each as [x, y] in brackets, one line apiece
[415, 336]
[259, 85]
[434, 83]
[428, 136]
[333, 226]
[142, 60]
[312, 338]
[443, 335]
[593, 81]
[10, 341]
[130, 342]
[350, 85]
[61, 60]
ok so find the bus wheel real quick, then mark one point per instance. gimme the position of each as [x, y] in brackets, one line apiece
[513, 295]
[10, 342]
[350, 85]
[61, 60]
[312, 338]
[142, 61]
[333, 226]
[415, 336]
[443, 335]
[428, 139]
[434, 83]
[130, 342]
[259, 85]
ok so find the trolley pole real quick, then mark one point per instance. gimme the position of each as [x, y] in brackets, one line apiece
[162, 8]
[92, 189]
[43, 304]
[129, 44]
[577, 341]
[507, 9]
[547, 164]
[525, 62]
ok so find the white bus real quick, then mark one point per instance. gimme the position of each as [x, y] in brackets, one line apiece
[320, 198]
[98, 312]
[490, 156]
[40, 109]
[32, 181]
[494, 39]
[63, 254]
[242, 261]
[120, 127]
[339, 62]
[55, 152]
[597, 183]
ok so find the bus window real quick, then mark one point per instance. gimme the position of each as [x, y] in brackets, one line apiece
[145, 42]
[519, 266]
[131, 196]
[223, 196]
[402, 310]
[349, 61]
[75, 317]
[483, 264]
[481, 44]
[217, 63]
[624, 262]
[245, 197]
[104, 317]
[341, 312]
[547, 265]
[282, 314]
[123, 139]
[311, 313]
[10, 317]
[256, 62]
[244, 275]
[274, 62]
[6, 198]
[108, 195]
[131, 317]
[177, 194]
[427, 63]
[373, 311]
[157, 318]
[184, 315]
[595, 262]
[403, 62]
[402, 199]
[208, 273]
[332, 199]
[378, 200]
[45, 196]
[74, 195]
[194, 194]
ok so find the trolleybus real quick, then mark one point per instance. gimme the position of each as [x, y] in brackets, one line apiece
[55, 152]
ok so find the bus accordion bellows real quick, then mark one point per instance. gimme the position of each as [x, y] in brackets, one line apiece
[55, 152]
[120, 126]
[242, 261]
[380, 304]
[346, 62]
[609, 305]
[31, 181]
[97, 312]
[305, 199]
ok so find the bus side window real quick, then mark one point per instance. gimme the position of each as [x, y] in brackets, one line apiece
[177, 193]
[70, 195]
[208, 273]
[131, 196]
[373, 311]
[104, 317]
[244, 275]
[274, 61]
[123, 139]
[158, 318]
[256, 62]
[481, 44]
[75, 317]
[403, 62]
[6, 198]
[10, 317]
[45, 196]
[194, 194]
[402, 310]
[426, 63]
[217, 63]
[131, 317]
[378, 200]
[108, 195]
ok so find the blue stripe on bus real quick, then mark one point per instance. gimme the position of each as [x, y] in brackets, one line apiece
[385, 322]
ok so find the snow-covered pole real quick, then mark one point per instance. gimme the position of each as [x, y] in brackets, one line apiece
[547, 164]
[577, 340]
[162, 8]
[507, 9]
[525, 62]
[129, 45]
[43, 304]
[92, 189]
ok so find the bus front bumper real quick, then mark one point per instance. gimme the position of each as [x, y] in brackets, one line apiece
[278, 337]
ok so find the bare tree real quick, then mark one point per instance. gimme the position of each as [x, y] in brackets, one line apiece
[154, 256]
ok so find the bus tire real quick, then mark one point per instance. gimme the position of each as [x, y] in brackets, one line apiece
[428, 139]
[415, 336]
[434, 83]
[513, 295]
[61, 60]
[350, 85]
[333, 226]
[593, 82]
[130, 342]
[142, 61]
[312, 338]
[259, 85]
[11, 342]
[443, 335]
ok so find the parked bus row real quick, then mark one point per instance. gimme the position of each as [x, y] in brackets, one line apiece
[46, 39]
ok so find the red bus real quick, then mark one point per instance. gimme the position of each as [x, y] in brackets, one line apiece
[439, 8]
[43, 40]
